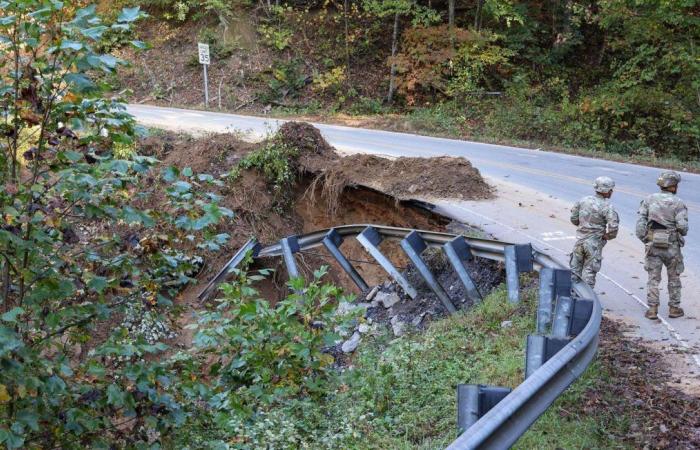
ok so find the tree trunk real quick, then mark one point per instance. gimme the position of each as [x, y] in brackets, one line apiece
[346, 7]
[394, 48]
[477, 15]
[451, 13]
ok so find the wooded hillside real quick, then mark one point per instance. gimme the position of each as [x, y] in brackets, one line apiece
[612, 75]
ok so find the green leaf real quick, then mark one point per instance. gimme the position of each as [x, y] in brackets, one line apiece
[71, 45]
[94, 33]
[129, 14]
[181, 186]
[80, 82]
[29, 418]
[98, 284]
[139, 45]
[171, 174]
[119, 166]
[187, 171]
[11, 315]
[115, 396]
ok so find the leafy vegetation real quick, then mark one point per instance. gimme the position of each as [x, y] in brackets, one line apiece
[610, 76]
[77, 251]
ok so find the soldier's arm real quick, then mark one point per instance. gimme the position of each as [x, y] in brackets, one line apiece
[613, 223]
[575, 212]
[682, 219]
[642, 220]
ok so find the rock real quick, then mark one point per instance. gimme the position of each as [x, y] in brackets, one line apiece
[397, 326]
[372, 293]
[387, 299]
[347, 307]
[418, 319]
[363, 328]
[412, 188]
[351, 344]
[663, 428]
[506, 324]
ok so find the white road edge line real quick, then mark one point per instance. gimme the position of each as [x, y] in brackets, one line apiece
[672, 331]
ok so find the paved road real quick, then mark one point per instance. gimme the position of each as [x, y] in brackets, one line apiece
[562, 179]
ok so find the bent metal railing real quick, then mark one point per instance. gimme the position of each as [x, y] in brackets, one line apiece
[567, 325]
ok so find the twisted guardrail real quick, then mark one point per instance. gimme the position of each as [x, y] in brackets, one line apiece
[562, 347]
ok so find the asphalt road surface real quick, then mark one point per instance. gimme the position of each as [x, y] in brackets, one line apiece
[536, 190]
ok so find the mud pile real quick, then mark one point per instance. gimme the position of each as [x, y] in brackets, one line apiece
[406, 178]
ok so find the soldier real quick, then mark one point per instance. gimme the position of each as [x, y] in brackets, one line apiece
[597, 223]
[662, 223]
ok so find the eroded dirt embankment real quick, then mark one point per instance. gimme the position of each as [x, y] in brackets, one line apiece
[328, 191]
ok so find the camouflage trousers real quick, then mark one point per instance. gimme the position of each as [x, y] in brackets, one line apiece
[586, 259]
[656, 259]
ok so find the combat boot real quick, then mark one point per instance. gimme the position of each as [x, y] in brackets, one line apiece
[652, 312]
[675, 312]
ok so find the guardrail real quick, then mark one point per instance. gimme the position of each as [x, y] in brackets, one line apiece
[567, 325]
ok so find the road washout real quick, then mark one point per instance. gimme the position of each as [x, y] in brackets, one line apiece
[659, 417]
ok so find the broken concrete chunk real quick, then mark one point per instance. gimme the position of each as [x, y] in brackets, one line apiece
[387, 299]
[397, 326]
[372, 293]
[347, 307]
[418, 319]
[351, 344]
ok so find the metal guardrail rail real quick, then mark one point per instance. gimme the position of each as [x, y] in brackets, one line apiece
[563, 345]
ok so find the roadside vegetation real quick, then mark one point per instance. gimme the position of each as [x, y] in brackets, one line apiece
[617, 79]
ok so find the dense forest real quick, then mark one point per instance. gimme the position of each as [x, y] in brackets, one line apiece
[620, 76]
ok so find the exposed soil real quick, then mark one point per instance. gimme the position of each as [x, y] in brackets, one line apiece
[659, 416]
[313, 206]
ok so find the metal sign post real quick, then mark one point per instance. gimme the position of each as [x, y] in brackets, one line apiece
[203, 50]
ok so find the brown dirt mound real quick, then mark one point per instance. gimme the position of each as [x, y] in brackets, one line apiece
[315, 153]
[213, 154]
[403, 178]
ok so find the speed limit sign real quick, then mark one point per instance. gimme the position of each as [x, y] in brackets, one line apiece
[203, 50]
[203, 53]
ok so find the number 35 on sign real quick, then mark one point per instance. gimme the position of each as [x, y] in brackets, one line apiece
[203, 53]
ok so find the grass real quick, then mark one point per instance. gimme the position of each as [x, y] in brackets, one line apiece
[400, 393]
[405, 388]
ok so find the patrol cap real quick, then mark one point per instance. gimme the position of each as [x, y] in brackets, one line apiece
[604, 185]
[668, 178]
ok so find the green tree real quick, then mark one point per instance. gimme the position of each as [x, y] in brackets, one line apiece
[69, 239]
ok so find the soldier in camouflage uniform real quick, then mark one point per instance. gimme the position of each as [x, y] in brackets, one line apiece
[662, 223]
[597, 223]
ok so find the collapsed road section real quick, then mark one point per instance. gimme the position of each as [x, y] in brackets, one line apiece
[565, 332]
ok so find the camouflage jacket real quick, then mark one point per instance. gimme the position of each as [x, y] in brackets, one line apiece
[664, 208]
[595, 216]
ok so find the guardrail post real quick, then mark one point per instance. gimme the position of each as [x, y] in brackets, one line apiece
[251, 246]
[413, 245]
[370, 239]
[562, 283]
[332, 242]
[562, 317]
[539, 349]
[475, 400]
[546, 297]
[458, 251]
[290, 245]
[583, 309]
[518, 259]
